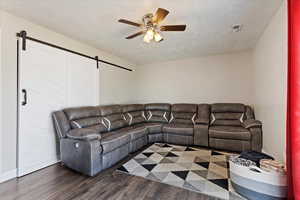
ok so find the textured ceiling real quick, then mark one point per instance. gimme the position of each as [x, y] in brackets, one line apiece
[208, 24]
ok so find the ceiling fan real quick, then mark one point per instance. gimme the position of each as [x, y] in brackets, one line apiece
[151, 26]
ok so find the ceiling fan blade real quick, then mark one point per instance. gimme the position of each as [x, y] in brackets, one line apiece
[129, 22]
[160, 15]
[173, 28]
[135, 35]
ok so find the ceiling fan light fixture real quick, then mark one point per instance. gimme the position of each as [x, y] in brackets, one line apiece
[149, 36]
[146, 39]
[157, 37]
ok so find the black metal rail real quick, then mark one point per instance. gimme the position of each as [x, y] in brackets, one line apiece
[23, 35]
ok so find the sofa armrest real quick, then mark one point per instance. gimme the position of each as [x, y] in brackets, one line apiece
[256, 138]
[201, 134]
[252, 123]
[81, 155]
[83, 134]
[201, 121]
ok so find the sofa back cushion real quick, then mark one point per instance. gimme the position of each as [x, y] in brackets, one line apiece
[112, 117]
[85, 122]
[83, 117]
[227, 114]
[81, 112]
[158, 112]
[134, 113]
[61, 123]
[183, 114]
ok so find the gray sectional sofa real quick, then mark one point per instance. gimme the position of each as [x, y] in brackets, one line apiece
[95, 138]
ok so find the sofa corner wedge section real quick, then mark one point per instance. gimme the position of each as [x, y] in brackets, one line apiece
[134, 114]
[157, 115]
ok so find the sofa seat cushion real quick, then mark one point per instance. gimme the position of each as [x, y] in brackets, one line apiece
[153, 128]
[135, 131]
[179, 129]
[113, 140]
[229, 132]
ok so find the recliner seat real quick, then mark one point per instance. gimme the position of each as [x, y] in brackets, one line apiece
[95, 138]
[180, 129]
[228, 130]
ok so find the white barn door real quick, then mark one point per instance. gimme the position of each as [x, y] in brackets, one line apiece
[83, 81]
[49, 80]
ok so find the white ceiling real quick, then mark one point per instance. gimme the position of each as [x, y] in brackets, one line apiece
[208, 24]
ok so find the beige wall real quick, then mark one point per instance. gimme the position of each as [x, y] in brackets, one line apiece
[253, 77]
[220, 78]
[117, 86]
[270, 81]
[257, 77]
[113, 81]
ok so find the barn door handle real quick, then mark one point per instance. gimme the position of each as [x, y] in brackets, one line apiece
[24, 102]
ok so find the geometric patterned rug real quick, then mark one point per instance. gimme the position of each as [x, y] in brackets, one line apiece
[192, 168]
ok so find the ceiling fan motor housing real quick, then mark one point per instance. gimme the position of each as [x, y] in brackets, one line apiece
[148, 20]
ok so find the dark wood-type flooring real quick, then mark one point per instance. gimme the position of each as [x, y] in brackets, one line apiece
[60, 183]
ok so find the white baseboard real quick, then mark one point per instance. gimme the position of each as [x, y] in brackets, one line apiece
[8, 175]
[37, 166]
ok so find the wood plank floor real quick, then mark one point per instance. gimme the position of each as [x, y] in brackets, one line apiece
[60, 183]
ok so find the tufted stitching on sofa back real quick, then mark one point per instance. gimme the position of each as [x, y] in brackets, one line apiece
[84, 117]
[227, 114]
[134, 113]
[157, 112]
[183, 113]
[112, 116]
